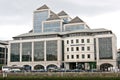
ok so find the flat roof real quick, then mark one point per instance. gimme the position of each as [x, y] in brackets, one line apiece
[62, 33]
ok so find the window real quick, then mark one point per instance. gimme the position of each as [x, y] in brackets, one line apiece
[53, 26]
[51, 50]
[72, 56]
[88, 40]
[83, 56]
[77, 41]
[26, 51]
[71, 41]
[67, 56]
[15, 52]
[67, 49]
[39, 51]
[74, 27]
[105, 48]
[82, 40]
[88, 48]
[88, 56]
[77, 48]
[82, 48]
[77, 56]
[72, 49]
[67, 42]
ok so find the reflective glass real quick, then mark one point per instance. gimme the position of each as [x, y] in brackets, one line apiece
[74, 27]
[38, 18]
[26, 51]
[105, 48]
[52, 27]
[39, 51]
[51, 50]
[15, 52]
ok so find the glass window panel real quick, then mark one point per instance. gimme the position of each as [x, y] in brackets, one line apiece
[26, 51]
[39, 51]
[105, 48]
[83, 56]
[51, 50]
[74, 27]
[83, 48]
[88, 40]
[52, 26]
[77, 56]
[72, 56]
[15, 52]
[67, 56]
[88, 55]
[38, 18]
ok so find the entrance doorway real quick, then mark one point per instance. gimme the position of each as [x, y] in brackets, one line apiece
[105, 66]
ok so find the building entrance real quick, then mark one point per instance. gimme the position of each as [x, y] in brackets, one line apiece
[105, 66]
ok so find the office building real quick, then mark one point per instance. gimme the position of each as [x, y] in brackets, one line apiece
[59, 41]
[3, 52]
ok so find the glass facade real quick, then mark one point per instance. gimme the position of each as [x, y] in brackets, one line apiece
[38, 18]
[26, 51]
[39, 51]
[74, 27]
[52, 26]
[51, 50]
[15, 52]
[105, 48]
[2, 55]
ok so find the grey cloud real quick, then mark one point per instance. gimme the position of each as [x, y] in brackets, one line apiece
[84, 7]
[89, 7]
[23, 8]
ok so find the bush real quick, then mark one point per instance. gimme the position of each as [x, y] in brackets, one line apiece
[57, 78]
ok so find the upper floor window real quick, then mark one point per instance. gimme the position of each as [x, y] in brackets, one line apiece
[82, 48]
[67, 41]
[83, 56]
[88, 40]
[67, 49]
[77, 40]
[67, 56]
[77, 48]
[72, 56]
[88, 48]
[82, 40]
[88, 56]
[77, 56]
[71, 41]
[72, 49]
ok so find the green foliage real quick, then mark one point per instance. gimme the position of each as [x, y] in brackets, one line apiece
[57, 78]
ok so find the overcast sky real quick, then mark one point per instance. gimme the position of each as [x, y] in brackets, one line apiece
[16, 15]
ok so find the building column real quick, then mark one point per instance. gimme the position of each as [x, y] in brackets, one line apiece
[9, 52]
[66, 65]
[20, 52]
[98, 67]
[45, 51]
[32, 67]
[59, 51]
[32, 52]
